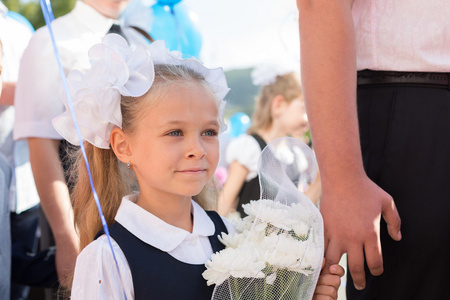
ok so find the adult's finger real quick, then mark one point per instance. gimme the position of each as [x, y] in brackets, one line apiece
[333, 254]
[355, 259]
[373, 253]
[392, 218]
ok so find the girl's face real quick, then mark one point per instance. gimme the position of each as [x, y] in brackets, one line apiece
[294, 118]
[175, 148]
[109, 8]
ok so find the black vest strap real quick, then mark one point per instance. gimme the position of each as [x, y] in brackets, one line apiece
[158, 275]
[251, 190]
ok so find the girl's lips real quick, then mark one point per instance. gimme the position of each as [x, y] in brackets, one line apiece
[192, 171]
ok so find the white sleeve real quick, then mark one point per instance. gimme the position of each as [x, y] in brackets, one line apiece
[246, 151]
[37, 97]
[96, 275]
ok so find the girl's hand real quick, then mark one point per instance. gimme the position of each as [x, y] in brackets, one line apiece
[328, 283]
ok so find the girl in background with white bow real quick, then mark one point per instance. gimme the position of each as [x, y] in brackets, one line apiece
[150, 121]
[279, 111]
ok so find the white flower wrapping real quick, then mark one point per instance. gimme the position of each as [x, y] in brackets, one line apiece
[117, 69]
[277, 250]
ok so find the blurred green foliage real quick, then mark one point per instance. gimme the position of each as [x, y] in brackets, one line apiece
[32, 10]
[241, 97]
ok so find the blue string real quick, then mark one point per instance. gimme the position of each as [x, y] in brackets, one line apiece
[49, 17]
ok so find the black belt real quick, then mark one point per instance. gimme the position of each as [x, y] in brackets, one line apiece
[368, 77]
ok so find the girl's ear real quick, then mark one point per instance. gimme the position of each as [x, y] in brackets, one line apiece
[120, 145]
[278, 105]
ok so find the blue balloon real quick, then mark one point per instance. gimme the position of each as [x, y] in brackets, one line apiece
[176, 27]
[239, 123]
[168, 2]
[18, 17]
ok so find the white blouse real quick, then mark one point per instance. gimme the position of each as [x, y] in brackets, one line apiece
[403, 35]
[246, 151]
[96, 275]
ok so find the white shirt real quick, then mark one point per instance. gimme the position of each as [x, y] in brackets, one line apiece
[403, 35]
[15, 37]
[96, 275]
[39, 87]
[246, 151]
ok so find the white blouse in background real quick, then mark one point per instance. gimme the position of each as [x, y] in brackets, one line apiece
[246, 151]
[403, 35]
[96, 275]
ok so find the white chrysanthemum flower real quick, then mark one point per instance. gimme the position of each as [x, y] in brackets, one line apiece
[271, 212]
[244, 224]
[237, 263]
[232, 240]
[301, 230]
[285, 252]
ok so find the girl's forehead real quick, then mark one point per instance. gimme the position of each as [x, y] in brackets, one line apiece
[193, 97]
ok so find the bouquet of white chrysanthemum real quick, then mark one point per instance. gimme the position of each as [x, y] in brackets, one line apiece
[277, 250]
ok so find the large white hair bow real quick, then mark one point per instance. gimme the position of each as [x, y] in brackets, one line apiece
[267, 73]
[117, 70]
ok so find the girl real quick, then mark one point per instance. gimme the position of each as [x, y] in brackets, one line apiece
[279, 112]
[159, 116]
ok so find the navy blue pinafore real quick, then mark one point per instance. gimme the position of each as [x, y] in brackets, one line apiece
[158, 275]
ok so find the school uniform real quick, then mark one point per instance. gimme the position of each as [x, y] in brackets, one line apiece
[156, 260]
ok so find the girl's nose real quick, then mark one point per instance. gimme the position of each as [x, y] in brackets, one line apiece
[196, 149]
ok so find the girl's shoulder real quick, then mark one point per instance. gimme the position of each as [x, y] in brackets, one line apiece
[96, 275]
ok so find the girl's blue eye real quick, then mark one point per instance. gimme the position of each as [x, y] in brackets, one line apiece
[175, 133]
[210, 133]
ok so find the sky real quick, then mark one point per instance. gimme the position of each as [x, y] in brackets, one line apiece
[246, 33]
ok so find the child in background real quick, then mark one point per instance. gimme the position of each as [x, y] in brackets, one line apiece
[162, 123]
[279, 111]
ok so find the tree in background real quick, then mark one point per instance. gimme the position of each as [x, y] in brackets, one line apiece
[32, 10]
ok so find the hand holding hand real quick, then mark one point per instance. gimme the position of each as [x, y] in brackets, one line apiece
[329, 282]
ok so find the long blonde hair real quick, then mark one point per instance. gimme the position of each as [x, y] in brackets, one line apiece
[287, 85]
[112, 180]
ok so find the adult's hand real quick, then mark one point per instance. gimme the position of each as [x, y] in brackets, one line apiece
[352, 214]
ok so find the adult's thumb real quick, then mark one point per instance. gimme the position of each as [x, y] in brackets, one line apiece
[392, 218]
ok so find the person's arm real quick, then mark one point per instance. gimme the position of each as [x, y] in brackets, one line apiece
[7, 97]
[230, 191]
[328, 283]
[314, 192]
[55, 202]
[351, 203]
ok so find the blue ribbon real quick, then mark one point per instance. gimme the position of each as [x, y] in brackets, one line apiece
[49, 17]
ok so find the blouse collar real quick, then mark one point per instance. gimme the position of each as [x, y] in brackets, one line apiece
[154, 231]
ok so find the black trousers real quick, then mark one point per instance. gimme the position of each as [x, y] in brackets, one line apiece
[405, 141]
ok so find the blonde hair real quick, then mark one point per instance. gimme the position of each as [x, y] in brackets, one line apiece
[287, 85]
[111, 178]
